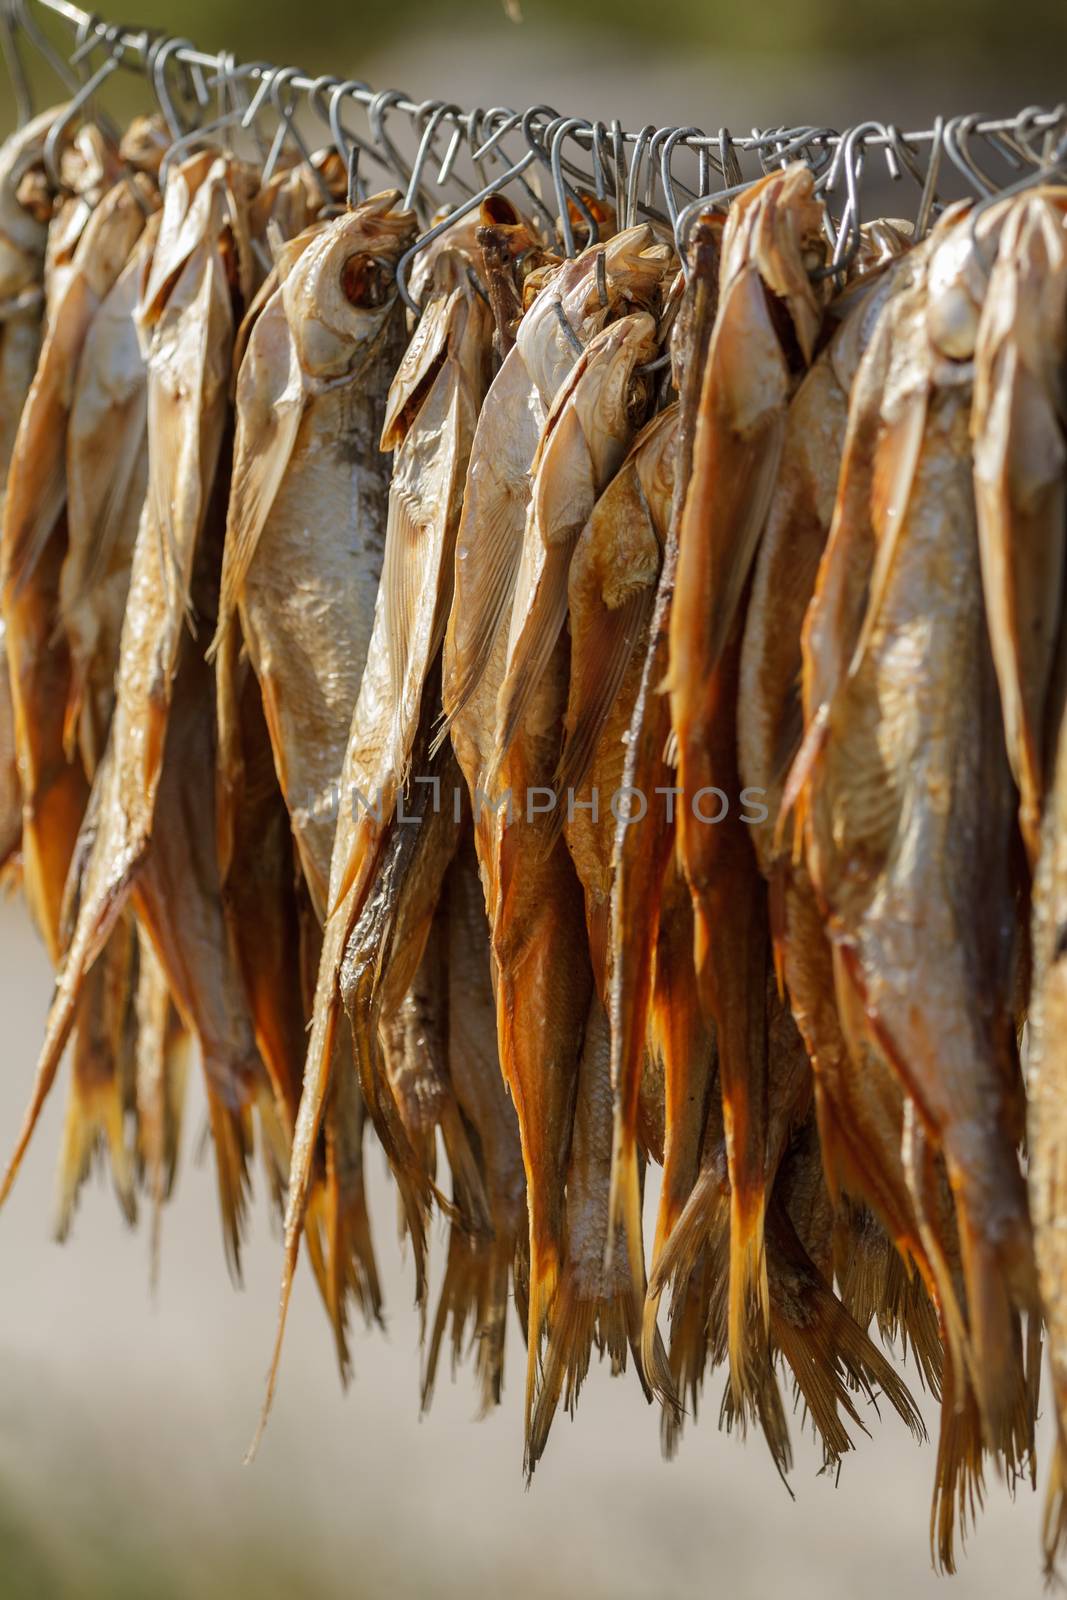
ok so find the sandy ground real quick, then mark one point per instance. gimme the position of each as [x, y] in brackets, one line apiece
[123, 1422]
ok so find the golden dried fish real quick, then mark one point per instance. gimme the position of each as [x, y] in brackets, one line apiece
[1046, 1133]
[433, 407]
[1020, 481]
[908, 815]
[22, 247]
[188, 314]
[160, 1073]
[482, 1270]
[32, 549]
[306, 523]
[860, 1106]
[589, 427]
[642, 853]
[597, 1298]
[101, 1089]
[576, 300]
[611, 592]
[771, 240]
[107, 479]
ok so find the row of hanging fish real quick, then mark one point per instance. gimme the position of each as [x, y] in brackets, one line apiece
[565, 761]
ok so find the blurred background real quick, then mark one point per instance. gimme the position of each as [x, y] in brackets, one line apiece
[124, 1417]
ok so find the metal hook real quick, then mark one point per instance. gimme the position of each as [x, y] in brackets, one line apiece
[633, 177]
[114, 38]
[849, 155]
[439, 111]
[156, 70]
[343, 139]
[956, 141]
[667, 179]
[278, 80]
[475, 200]
[42, 44]
[564, 192]
[376, 117]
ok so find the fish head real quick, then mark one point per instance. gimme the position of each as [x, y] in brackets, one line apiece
[962, 246]
[26, 203]
[777, 227]
[342, 291]
[145, 143]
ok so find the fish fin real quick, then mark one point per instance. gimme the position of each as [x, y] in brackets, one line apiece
[959, 1487]
[598, 665]
[896, 462]
[94, 1116]
[828, 1351]
[475, 1290]
[232, 1137]
[308, 1122]
[484, 604]
[266, 436]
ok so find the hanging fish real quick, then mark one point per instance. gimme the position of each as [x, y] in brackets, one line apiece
[908, 806]
[483, 1270]
[33, 545]
[772, 240]
[642, 854]
[1020, 478]
[107, 480]
[186, 314]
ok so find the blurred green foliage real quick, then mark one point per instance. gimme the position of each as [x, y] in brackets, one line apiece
[321, 34]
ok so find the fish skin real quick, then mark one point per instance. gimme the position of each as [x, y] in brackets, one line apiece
[22, 247]
[771, 232]
[498, 489]
[32, 547]
[107, 480]
[482, 1271]
[612, 587]
[611, 592]
[533, 898]
[589, 428]
[1018, 424]
[311, 400]
[310, 405]
[258, 880]
[1046, 1133]
[860, 1106]
[429, 425]
[190, 328]
[597, 1299]
[905, 794]
[642, 855]
[178, 893]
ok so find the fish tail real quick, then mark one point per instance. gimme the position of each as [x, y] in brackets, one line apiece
[544, 1281]
[958, 1479]
[232, 1140]
[993, 1267]
[566, 1363]
[60, 1022]
[467, 1181]
[1054, 1514]
[830, 1354]
[94, 1117]
[474, 1293]
[624, 1201]
[747, 1289]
